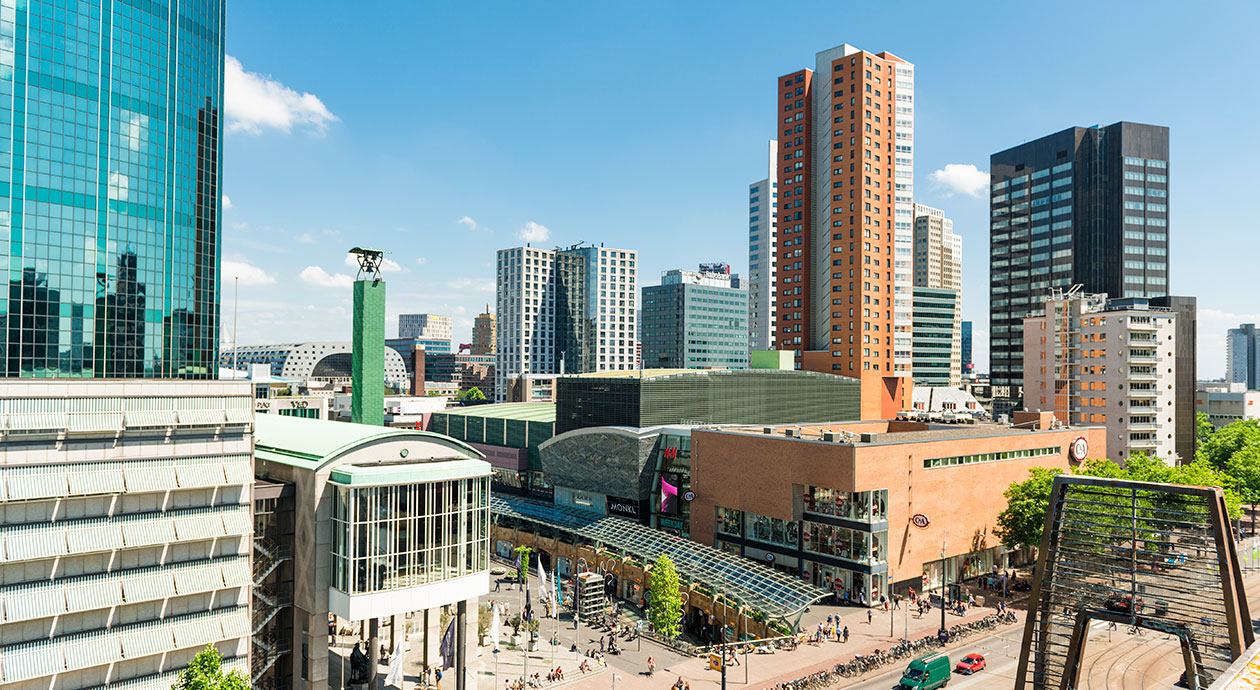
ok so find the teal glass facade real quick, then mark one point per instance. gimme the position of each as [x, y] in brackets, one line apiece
[110, 116]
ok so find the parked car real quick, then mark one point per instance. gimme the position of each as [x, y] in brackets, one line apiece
[970, 664]
[926, 673]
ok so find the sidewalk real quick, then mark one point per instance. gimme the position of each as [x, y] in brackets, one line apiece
[766, 670]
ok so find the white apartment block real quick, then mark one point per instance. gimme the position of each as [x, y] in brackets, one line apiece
[1226, 403]
[1091, 360]
[570, 310]
[938, 265]
[125, 530]
[763, 256]
[428, 326]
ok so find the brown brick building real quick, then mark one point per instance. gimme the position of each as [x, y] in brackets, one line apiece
[843, 505]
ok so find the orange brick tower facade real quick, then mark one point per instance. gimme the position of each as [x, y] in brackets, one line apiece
[845, 213]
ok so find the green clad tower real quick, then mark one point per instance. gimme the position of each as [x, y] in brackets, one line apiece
[367, 398]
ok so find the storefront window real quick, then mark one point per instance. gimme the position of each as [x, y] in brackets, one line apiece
[862, 506]
[770, 530]
[729, 521]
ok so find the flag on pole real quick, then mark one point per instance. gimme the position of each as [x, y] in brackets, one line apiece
[395, 675]
[542, 583]
[494, 628]
[447, 648]
[528, 608]
[559, 592]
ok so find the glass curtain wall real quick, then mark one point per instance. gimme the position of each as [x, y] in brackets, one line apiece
[393, 537]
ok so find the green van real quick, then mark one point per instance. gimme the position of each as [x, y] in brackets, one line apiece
[926, 672]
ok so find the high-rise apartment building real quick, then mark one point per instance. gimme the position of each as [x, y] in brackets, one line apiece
[1084, 206]
[1242, 356]
[1091, 360]
[126, 529]
[424, 326]
[483, 333]
[565, 310]
[110, 156]
[845, 174]
[696, 320]
[968, 366]
[937, 351]
[763, 257]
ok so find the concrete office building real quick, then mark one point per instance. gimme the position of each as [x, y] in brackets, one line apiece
[1242, 356]
[426, 547]
[567, 310]
[424, 326]
[763, 211]
[937, 334]
[696, 320]
[1091, 360]
[1084, 206]
[1226, 403]
[112, 154]
[845, 174]
[483, 334]
[322, 361]
[126, 530]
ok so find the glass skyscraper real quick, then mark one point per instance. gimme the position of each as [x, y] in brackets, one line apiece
[109, 187]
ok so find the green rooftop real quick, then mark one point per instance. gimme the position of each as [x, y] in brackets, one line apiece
[313, 443]
[526, 412]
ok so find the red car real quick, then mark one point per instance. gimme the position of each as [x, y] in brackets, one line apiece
[970, 664]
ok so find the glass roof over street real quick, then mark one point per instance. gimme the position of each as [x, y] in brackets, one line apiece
[755, 585]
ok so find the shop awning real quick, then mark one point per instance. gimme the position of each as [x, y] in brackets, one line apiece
[757, 586]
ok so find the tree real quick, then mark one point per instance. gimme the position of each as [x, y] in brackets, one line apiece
[472, 394]
[665, 611]
[485, 617]
[1203, 428]
[205, 672]
[1229, 440]
[522, 570]
[1021, 523]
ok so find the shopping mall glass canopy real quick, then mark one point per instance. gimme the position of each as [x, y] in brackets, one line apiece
[755, 585]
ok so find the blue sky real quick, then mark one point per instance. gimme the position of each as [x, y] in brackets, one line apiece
[444, 131]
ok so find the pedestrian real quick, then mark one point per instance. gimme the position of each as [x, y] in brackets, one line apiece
[498, 585]
[869, 616]
[846, 633]
[896, 602]
[437, 678]
[912, 594]
[601, 643]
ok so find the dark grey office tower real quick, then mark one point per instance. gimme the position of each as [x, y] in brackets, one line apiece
[968, 366]
[1088, 206]
[1185, 356]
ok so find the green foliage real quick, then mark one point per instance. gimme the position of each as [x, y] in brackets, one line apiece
[473, 393]
[1020, 524]
[516, 623]
[1228, 441]
[522, 573]
[666, 609]
[1203, 428]
[1244, 467]
[205, 672]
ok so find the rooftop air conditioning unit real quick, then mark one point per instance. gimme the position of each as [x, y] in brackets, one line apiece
[767, 430]
[792, 433]
[831, 437]
[868, 438]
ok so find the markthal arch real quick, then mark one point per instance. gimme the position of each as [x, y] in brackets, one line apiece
[1140, 554]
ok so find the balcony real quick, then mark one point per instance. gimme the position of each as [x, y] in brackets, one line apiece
[1143, 375]
[1144, 393]
[1144, 443]
[1144, 426]
[1143, 358]
[1148, 326]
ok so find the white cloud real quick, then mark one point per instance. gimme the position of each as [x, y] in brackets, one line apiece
[387, 265]
[227, 203]
[533, 232]
[961, 178]
[314, 275]
[421, 260]
[305, 238]
[470, 284]
[136, 126]
[248, 274]
[255, 102]
[119, 186]
[471, 224]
